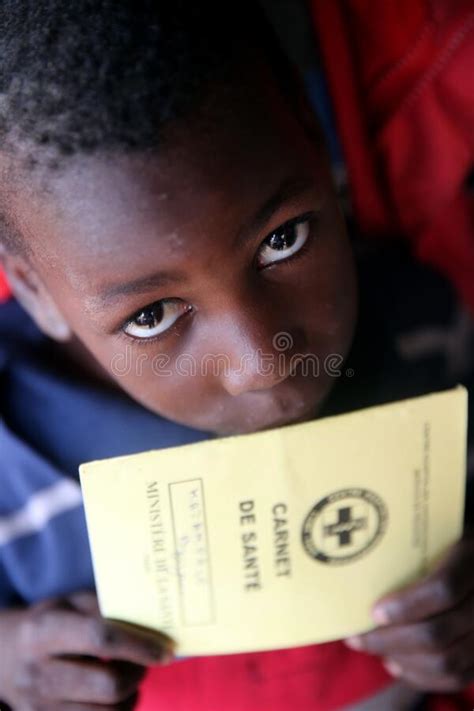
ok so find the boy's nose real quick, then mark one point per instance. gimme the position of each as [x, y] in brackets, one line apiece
[255, 374]
[258, 356]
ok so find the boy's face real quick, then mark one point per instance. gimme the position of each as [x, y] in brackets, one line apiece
[197, 276]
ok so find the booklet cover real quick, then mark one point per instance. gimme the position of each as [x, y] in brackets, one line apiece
[279, 538]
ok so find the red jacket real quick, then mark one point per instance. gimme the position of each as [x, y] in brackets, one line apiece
[402, 82]
[318, 678]
[4, 290]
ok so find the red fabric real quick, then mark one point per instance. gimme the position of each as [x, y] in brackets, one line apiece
[322, 677]
[4, 288]
[400, 74]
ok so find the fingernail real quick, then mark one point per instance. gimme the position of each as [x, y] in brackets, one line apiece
[157, 651]
[354, 642]
[393, 668]
[167, 658]
[381, 615]
[163, 655]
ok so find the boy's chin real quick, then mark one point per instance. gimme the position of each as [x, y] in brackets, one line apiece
[245, 428]
[259, 414]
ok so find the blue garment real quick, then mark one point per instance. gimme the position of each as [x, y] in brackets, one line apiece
[52, 422]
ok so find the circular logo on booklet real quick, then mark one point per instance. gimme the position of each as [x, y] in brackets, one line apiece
[344, 526]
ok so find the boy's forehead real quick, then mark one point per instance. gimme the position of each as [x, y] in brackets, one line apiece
[208, 173]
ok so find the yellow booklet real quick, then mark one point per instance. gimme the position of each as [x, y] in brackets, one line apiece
[280, 538]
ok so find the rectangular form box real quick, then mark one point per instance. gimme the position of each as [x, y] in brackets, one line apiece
[192, 551]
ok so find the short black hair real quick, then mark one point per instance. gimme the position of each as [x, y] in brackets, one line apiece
[81, 76]
[78, 75]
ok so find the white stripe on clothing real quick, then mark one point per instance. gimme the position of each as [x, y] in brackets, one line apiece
[39, 510]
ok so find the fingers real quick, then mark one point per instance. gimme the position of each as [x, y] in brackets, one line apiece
[59, 632]
[157, 636]
[64, 657]
[447, 670]
[124, 706]
[431, 635]
[444, 588]
[127, 705]
[85, 602]
[93, 682]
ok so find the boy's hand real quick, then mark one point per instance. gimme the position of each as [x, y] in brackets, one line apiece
[62, 656]
[427, 637]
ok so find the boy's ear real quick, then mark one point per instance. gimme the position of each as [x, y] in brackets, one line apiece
[29, 290]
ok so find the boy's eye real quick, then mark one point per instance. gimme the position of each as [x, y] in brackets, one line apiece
[155, 318]
[284, 242]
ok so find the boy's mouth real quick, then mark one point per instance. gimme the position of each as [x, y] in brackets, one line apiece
[282, 405]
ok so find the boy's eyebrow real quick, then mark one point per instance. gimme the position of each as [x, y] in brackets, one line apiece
[288, 189]
[138, 286]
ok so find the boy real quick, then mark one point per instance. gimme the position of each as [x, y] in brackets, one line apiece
[165, 196]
